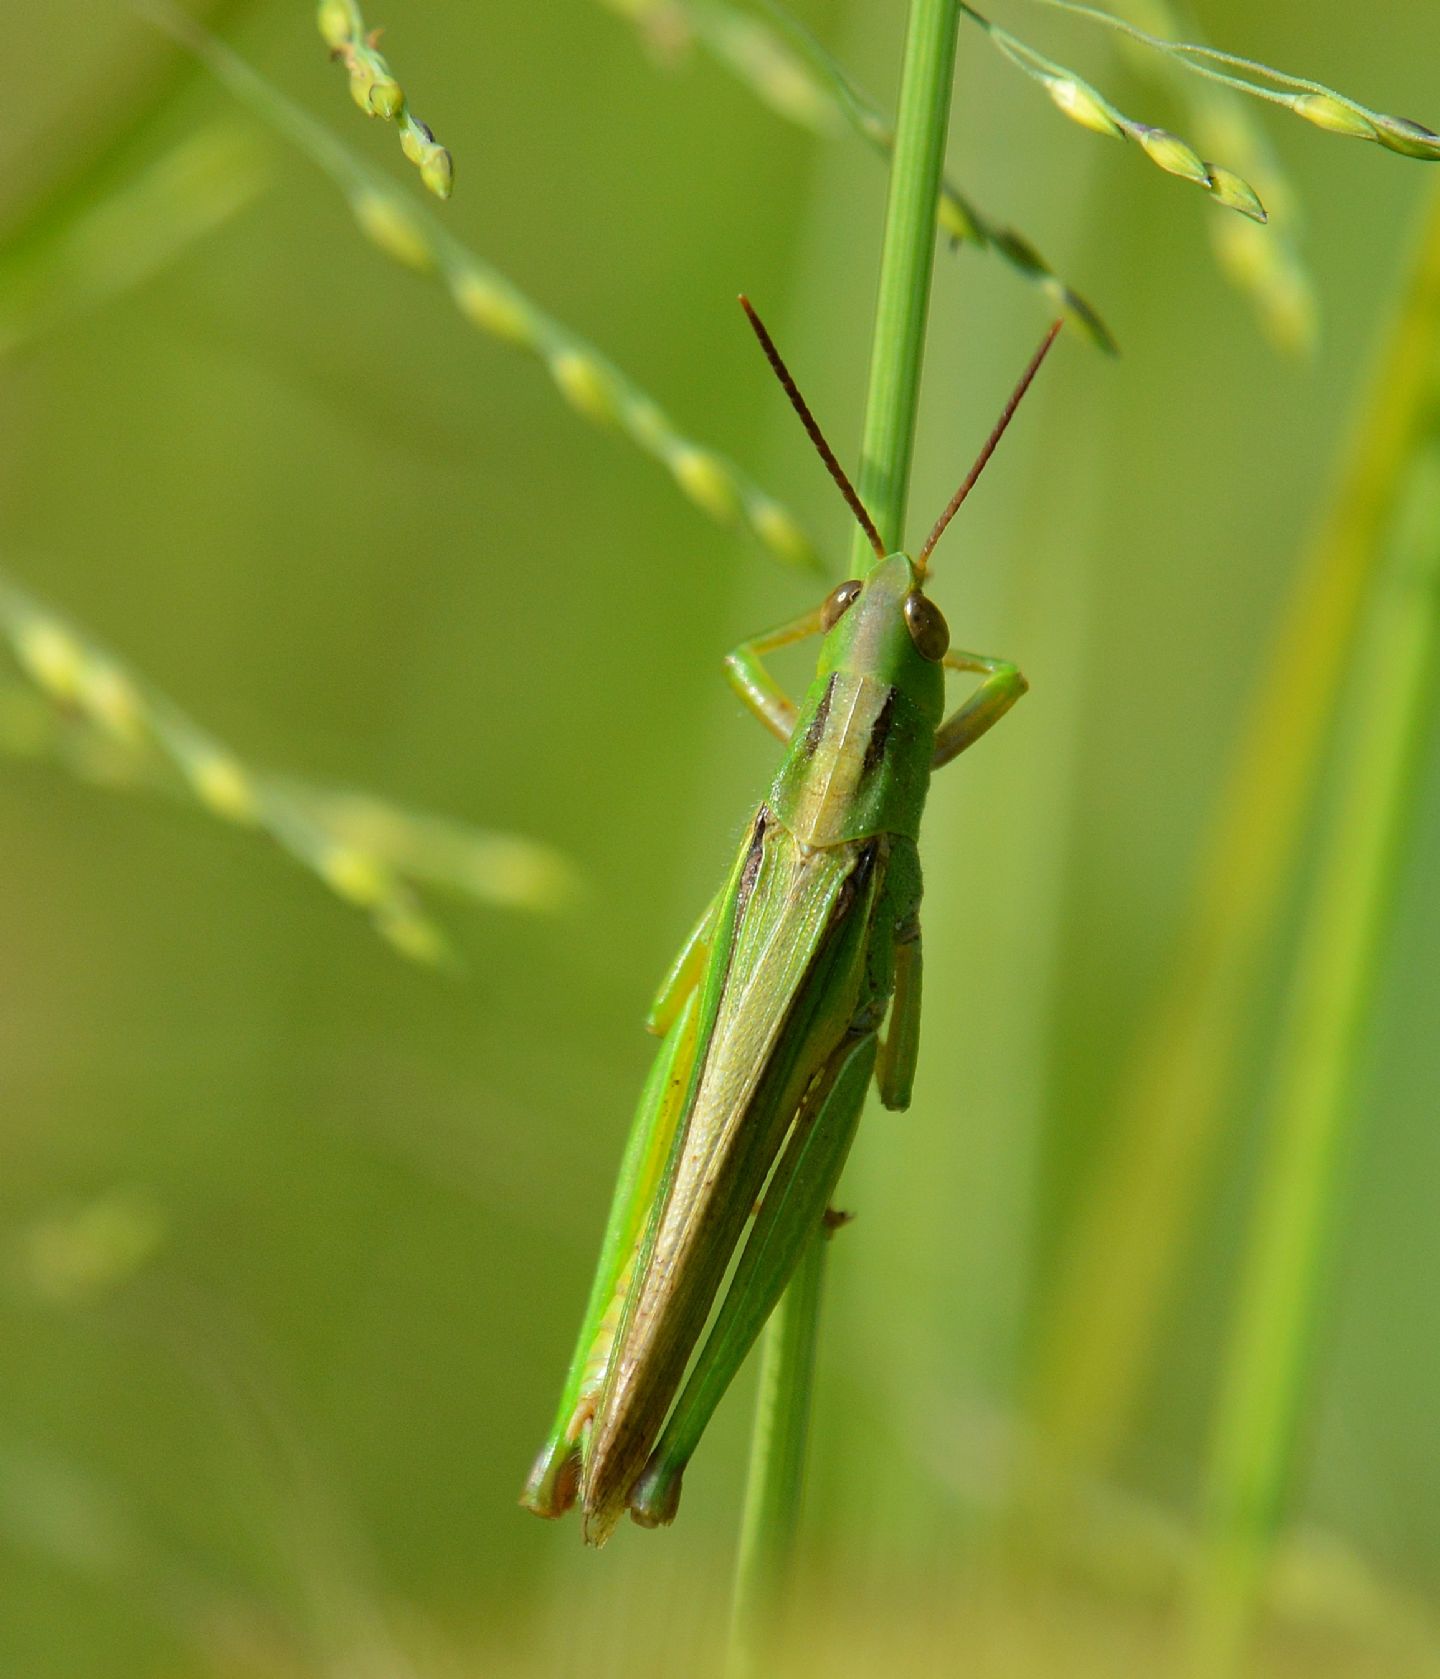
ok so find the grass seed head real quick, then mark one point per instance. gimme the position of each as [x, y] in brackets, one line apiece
[492, 308]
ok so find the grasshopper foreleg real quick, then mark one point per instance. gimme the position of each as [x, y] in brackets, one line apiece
[1003, 685]
[745, 670]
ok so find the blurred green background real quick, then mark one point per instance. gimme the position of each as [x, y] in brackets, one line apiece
[364, 544]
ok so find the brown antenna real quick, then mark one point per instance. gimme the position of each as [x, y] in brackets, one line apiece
[812, 428]
[987, 451]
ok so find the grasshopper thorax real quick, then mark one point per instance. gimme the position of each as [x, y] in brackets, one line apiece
[884, 626]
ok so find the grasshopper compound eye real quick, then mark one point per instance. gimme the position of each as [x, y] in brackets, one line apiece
[927, 627]
[837, 602]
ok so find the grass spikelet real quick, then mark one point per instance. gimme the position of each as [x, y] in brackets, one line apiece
[367, 852]
[388, 222]
[591, 384]
[375, 90]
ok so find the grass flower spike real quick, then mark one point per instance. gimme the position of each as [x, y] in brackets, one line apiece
[375, 90]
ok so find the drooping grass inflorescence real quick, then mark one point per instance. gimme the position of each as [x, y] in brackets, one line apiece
[375, 90]
[590, 383]
[809, 86]
[1084, 104]
[109, 725]
[1313, 101]
[1266, 263]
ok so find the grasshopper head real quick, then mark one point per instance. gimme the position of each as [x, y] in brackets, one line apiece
[883, 625]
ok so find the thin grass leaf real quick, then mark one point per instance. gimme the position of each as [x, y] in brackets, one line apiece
[87, 253]
[375, 90]
[1085, 105]
[831, 101]
[1314, 102]
[593, 386]
[1119, 1258]
[108, 724]
[1315, 1107]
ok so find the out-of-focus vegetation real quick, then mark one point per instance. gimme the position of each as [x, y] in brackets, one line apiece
[294, 1235]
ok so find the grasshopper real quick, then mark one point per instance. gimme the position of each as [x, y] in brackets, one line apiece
[770, 1019]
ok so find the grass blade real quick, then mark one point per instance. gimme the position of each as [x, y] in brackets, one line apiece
[1314, 1108]
[1120, 1255]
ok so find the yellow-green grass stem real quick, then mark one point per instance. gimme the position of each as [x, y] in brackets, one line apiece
[906, 265]
[1125, 1245]
[1315, 1108]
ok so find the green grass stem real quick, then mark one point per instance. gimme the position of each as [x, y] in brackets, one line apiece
[902, 305]
[776, 1478]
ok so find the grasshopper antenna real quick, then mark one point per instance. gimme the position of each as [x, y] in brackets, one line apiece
[812, 428]
[989, 449]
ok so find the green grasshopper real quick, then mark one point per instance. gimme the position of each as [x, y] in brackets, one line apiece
[771, 1021]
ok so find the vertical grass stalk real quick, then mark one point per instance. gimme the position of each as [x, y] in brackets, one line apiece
[1315, 1110]
[906, 263]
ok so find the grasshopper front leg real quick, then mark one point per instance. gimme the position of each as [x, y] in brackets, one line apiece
[747, 675]
[1003, 685]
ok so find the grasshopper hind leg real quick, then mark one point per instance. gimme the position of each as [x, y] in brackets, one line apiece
[795, 1203]
[554, 1479]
